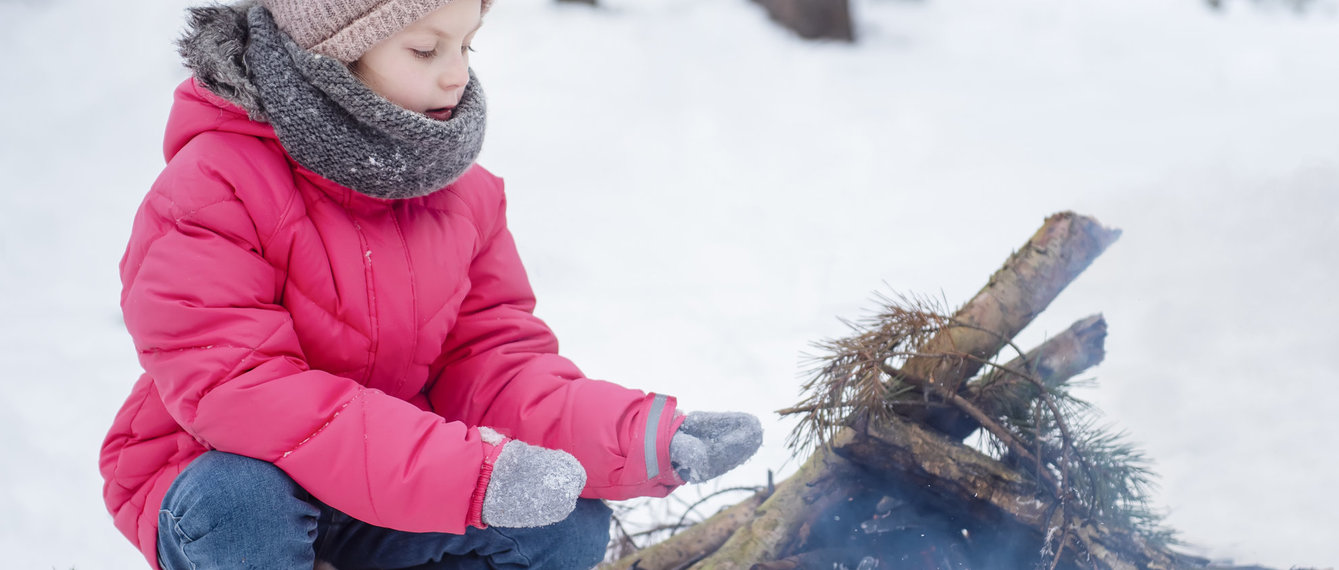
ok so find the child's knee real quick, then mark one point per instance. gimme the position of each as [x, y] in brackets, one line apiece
[224, 504]
[590, 534]
[226, 483]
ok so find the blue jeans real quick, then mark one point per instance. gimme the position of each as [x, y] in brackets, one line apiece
[230, 511]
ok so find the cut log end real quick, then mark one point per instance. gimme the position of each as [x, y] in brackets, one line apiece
[1072, 223]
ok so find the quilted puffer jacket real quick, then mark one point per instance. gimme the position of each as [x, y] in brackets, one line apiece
[356, 343]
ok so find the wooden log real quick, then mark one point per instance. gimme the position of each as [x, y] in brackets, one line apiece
[823, 479]
[1019, 291]
[694, 544]
[1003, 393]
[912, 456]
[829, 558]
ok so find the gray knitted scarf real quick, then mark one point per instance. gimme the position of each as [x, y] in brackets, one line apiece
[328, 120]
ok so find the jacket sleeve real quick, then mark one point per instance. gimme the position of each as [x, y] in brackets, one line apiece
[201, 304]
[503, 371]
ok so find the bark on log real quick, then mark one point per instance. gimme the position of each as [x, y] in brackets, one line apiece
[1027, 283]
[829, 558]
[683, 549]
[822, 479]
[1001, 393]
[909, 455]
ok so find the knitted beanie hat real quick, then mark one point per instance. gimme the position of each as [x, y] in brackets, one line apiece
[345, 29]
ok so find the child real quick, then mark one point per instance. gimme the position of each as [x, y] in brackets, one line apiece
[341, 360]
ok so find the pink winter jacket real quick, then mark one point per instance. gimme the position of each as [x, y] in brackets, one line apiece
[353, 342]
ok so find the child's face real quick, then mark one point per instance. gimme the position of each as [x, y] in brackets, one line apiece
[425, 66]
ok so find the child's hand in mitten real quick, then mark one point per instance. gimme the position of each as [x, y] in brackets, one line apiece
[708, 444]
[532, 486]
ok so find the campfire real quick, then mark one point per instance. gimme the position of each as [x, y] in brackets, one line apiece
[889, 483]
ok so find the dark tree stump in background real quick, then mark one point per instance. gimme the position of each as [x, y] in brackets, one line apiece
[813, 19]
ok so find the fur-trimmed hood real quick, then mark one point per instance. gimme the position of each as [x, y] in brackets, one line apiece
[213, 47]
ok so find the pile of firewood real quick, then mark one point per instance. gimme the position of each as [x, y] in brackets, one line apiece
[896, 487]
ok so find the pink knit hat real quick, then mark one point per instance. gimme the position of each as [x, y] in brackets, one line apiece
[344, 29]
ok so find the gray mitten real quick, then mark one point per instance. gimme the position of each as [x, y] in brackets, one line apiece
[710, 443]
[532, 486]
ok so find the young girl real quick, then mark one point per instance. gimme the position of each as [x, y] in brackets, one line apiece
[341, 360]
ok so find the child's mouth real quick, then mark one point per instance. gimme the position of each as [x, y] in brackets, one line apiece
[440, 114]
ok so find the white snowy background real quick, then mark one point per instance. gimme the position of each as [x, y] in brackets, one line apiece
[699, 196]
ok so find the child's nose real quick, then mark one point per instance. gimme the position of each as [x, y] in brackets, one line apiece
[456, 74]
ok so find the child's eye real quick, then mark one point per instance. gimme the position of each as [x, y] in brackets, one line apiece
[424, 54]
[469, 49]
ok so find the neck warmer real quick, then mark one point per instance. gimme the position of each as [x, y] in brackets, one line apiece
[334, 125]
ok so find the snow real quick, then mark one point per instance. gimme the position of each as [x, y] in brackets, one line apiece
[699, 196]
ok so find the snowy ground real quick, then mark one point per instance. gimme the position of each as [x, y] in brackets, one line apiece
[699, 196]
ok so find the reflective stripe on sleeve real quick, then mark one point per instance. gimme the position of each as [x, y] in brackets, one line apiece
[652, 432]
